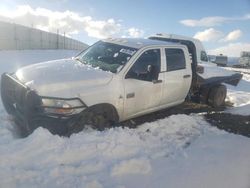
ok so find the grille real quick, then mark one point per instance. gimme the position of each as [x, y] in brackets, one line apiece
[17, 96]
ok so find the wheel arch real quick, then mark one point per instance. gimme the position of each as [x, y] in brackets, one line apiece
[102, 106]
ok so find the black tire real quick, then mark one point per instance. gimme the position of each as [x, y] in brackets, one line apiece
[97, 117]
[217, 96]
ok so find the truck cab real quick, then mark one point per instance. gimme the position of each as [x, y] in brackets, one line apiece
[158, 76]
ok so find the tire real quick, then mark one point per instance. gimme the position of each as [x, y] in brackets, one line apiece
[217, 96]
[98, 117]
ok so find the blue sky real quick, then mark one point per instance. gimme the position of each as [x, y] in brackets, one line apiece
[223, 26]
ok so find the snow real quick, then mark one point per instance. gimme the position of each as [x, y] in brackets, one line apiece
[131, 167]
[14, 59]
[213, 160]
[87, 156]
[241, 110]
[240, 95]
[177, 151]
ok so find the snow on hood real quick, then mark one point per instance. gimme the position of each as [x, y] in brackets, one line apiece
[64, 78]
[212, 70]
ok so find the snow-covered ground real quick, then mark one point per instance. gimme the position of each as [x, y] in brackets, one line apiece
[12, 60]
[175, 152]
[240, 95]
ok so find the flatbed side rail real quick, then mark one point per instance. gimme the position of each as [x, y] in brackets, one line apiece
[232, 80]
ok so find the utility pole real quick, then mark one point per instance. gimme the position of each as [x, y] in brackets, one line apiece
[64, 40]
[15, 36]
[57, 39]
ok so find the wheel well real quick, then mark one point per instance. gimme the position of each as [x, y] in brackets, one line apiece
[106, 107]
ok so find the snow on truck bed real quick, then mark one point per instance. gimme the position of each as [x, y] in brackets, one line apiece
[177, 151]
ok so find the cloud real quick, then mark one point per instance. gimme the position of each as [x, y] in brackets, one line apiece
[134, 32]
[212, 21]
[233, 35]
[69, 22]
[102, 29]
[213, 35]
[232, 49]
[208, 35]
[206, 22]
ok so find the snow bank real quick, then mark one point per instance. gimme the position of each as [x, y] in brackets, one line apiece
[47, 160]
[215, 159]
[131, 167]
[178, 151]
[240, 95]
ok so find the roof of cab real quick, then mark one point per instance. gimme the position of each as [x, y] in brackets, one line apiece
[137, 42]
[174, 36]
[196, 42]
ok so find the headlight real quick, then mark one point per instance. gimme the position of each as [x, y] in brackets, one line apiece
[62, 106]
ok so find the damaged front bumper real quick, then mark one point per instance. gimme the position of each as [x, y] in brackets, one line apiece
[27, 108]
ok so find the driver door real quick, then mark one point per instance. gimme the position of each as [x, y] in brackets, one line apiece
[143, 84]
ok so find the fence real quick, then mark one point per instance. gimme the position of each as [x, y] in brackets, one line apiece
[18, 37]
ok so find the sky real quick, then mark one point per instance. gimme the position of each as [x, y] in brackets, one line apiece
[223, 26]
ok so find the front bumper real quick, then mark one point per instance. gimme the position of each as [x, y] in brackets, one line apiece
[25, 106]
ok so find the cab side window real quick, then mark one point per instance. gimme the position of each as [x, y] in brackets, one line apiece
[147, 66]
[204, 56]
[175, 59]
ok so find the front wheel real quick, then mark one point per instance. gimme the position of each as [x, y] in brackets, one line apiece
[217, 95]
[98, 117]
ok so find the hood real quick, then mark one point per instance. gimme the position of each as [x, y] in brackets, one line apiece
[62, 78]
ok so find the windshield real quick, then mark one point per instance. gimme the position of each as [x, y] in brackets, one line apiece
[107, 56]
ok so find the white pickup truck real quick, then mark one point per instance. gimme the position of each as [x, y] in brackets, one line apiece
[111, 81]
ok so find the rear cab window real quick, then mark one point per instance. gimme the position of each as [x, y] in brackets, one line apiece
[175, 59]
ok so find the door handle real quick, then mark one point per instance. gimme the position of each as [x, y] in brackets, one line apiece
[130, 95]
[187, 76]
[157, 81]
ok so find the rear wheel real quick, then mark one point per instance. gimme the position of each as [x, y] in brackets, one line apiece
[217, 95]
